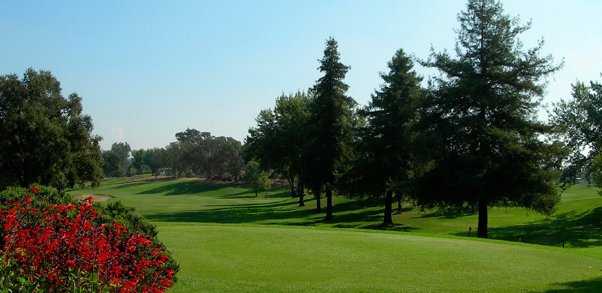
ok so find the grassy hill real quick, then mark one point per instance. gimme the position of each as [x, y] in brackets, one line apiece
[226, 239]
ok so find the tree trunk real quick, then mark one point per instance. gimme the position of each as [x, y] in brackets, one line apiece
[398, 195]
[328, 203]
[482, 229]
[291, 184]
[301, 193]
[317, 190]
[388, 208]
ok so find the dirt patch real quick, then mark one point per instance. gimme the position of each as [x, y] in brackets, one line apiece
[96, 197]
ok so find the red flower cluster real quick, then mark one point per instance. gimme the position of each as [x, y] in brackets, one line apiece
[67, 245]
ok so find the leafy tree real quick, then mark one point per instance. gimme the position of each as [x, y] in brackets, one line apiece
[202, 154]
[384, 163]
[258, 179]
[116, 160]
[137, 161]
[485, 143]
[45, 136]
[260, 143]
[331, 118]
[596, 170]
[155, 159]
[279, 139]
[580, 121]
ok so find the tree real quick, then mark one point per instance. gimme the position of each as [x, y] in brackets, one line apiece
[116, 160]
[596, 170]
[484, 140]
[155, 159]
[279, 139]
[331, 119]
[45, 136]
[384, 163]
[138, 161]
[258, 179]
[579, 121]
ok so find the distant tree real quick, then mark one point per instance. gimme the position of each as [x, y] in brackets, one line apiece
[45, 136]
[580, 120]
[331, 119]
[384, 163]
[197, 153]
[155, 159]
[258, 179]
[116, 160]
[137, 161]
[484, 140]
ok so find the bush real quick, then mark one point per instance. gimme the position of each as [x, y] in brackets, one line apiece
[73, 247]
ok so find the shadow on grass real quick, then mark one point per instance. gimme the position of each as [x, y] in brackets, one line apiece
[449, 213]
[570, 229]
[593, 285]
[185, 187]
[273, 193]
[275, 213]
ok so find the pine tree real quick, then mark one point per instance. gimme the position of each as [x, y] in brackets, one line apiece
[391, 117]
[485, 141]
[331, 120]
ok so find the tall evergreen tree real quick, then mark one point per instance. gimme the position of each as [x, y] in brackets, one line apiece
[384, 162]
[331, 120]
[485, 142]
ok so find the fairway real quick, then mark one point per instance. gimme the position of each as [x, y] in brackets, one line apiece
[228, 240]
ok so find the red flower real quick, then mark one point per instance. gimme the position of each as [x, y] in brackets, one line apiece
[47, 244]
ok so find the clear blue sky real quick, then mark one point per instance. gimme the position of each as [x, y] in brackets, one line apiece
[148, 69]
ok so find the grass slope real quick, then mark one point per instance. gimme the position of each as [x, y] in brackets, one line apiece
[227, 240]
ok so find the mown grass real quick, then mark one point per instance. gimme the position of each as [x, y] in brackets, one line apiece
[226, 239]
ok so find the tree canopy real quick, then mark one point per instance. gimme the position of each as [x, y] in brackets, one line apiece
[486, 144]
[46, 138]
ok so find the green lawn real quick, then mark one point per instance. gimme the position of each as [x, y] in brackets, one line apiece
[226, 239]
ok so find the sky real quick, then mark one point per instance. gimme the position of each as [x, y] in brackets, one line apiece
[148, 69]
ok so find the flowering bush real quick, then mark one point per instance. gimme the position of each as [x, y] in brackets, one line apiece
[70, 246]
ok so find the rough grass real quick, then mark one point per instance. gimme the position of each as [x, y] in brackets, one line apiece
[226, 239]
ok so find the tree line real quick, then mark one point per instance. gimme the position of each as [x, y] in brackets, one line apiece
[467, 138]
[194, 153]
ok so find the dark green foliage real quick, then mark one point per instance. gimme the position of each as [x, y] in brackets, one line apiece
[383, 163]
[258, 179]
[137, 163]
[484, 141]
[45, 136]
[331, 124]
[279, 139]
[202, 154]
[116, 211]
[155, 159]
[46, 195]
[580, 120]
[117, 160]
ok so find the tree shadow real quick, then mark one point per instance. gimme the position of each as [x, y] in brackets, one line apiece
[593, 285]
[448, 213]
[569, 229]
[273, 193]
[233, 214]
[129, 184]
[271, 213]
[185, 187]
